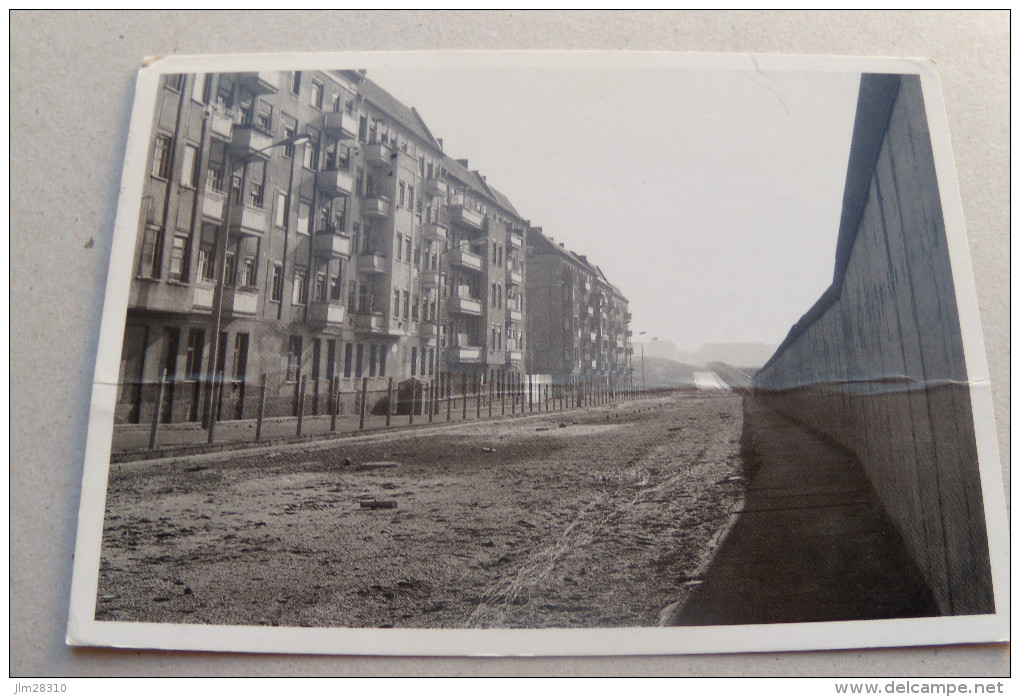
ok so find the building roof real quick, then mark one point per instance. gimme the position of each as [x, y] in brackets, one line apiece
[402, 114]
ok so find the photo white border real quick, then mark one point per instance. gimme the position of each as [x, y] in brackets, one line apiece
[84, 630]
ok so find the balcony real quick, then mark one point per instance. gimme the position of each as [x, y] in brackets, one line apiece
[435, 232]
[373, 262]
[326, 313]
[516, 316]
[248, 219]
[339, 124]
[514, 356]
[247, 140]
[435, 187]
[336, 182]
[331, 242]
[430, 277]
[593, 336]
[466, 217]
[221, 124]
[212, 204]
[464, 354]
[261, 82]
[378, 155]
[465, 305]
[517, 278]
[628, 333]
[516, 240]
[465, 259]
[240, 301]
[374, 323]
[376, 207]
[203, 298]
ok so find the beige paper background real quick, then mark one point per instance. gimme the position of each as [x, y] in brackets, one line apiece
[72, 83]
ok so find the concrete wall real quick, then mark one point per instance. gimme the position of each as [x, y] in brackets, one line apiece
[878, 365]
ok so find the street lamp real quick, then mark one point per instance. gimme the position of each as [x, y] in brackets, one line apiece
[232, 166]
[644, 387]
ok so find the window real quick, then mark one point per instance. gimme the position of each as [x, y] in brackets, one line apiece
[396, 303]
[276, 290]
[201, 91]
[205, 269]
[316, 358]
[407, 305]
[248, 273]
[316, 94]
[189, 167]
[281, 209]
[179, 258]
[320, 287]
[295, 82]
[373, 359]
[193, 364]
[407, 249]
[400, 200]
[358, 177]
[300, 291]
[152, 244]
[176, 81]
[360, 362]
[240, 357]
[264, 117]
[348, 360]
[336, 104]
[256, 188]
[336, 288]
[330, 360]
[304, 214]
[310, 154]
[225, 94]
[400, 246]
[414, 360]
[161, 157]
[289, 131]
[410, 197]
[294, 359]
[382, 361]
[414, 308]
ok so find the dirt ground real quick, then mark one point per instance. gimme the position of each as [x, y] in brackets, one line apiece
[579, 519]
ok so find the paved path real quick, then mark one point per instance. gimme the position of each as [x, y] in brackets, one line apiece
[811, 545]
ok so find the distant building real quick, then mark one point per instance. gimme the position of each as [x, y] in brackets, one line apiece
[578, 322]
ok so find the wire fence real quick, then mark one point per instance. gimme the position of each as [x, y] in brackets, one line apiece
[338, 406]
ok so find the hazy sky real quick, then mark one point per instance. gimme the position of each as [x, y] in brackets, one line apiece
[710, 198]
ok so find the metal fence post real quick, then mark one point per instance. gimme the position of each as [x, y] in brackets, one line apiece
[301, 403]
[262, 407]
[389, 401]
[478, 397]
[154, 433]
[364, 403]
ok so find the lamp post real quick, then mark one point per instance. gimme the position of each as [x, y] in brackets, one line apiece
[232, 165]
[644, 387]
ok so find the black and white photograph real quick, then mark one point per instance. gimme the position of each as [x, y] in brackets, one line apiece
[539, 354]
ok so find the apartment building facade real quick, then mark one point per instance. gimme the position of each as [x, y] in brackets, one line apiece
[578, 322]
[307, 227]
